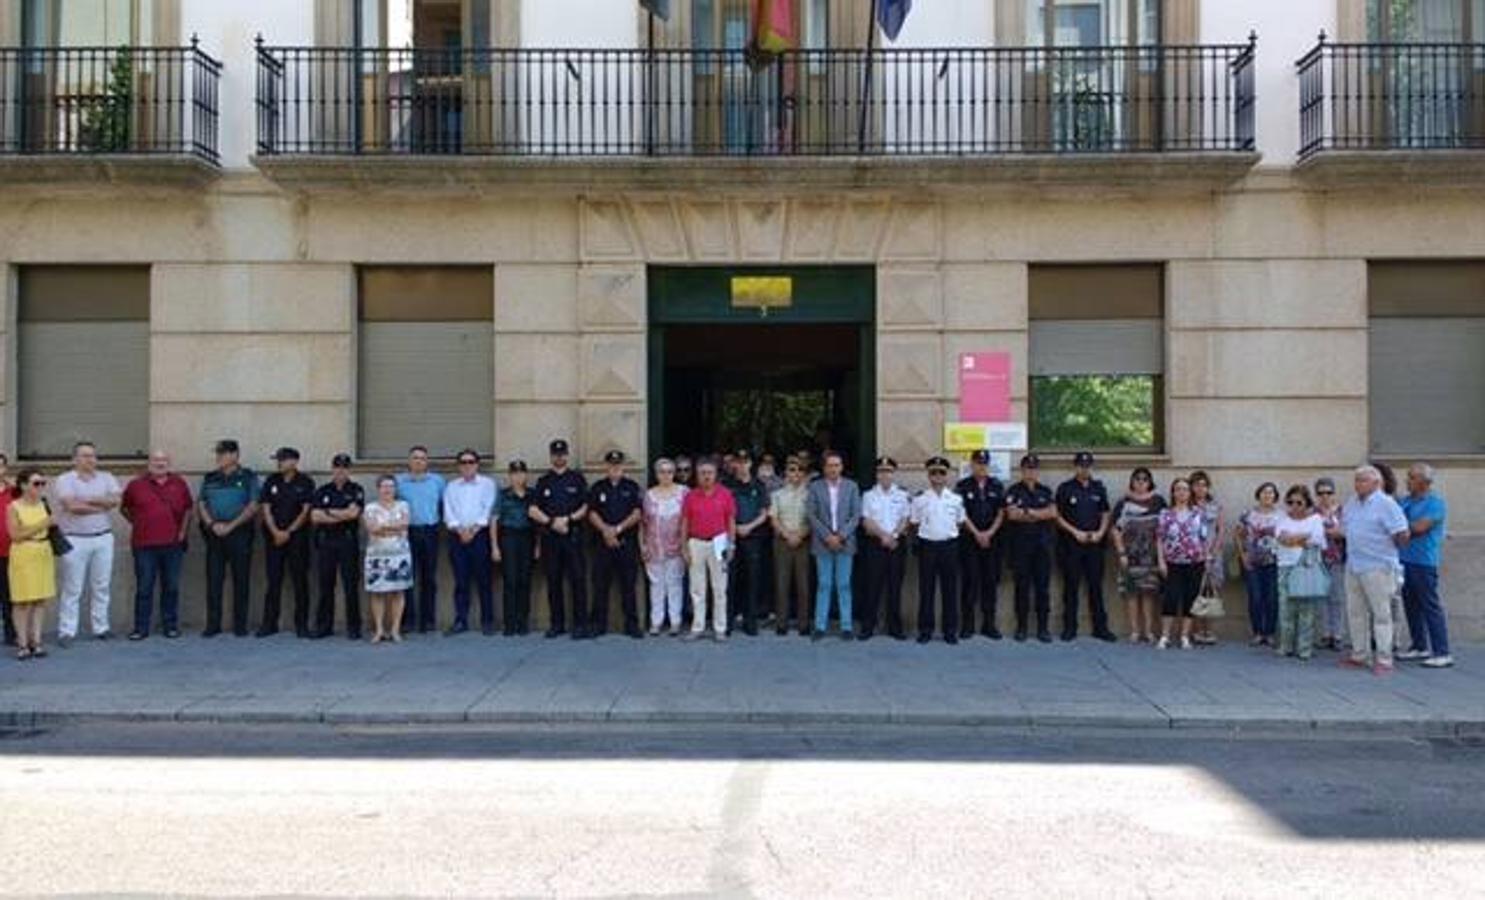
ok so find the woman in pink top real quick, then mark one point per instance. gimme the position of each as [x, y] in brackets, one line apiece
[660, 545]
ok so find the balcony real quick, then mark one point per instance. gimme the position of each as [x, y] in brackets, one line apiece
[1405, 112]
[144, 114]
[662, 117]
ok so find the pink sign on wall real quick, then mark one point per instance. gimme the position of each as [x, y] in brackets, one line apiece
[985, 387]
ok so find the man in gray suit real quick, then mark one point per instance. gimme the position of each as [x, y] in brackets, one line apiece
[834, 506]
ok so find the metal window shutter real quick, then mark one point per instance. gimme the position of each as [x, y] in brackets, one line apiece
[1097, 347]
[1427, 380]
[83, 380]
[426, 383]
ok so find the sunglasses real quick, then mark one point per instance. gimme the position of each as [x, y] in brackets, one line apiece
[468, 462]
[1296, 502]
[1325, 493]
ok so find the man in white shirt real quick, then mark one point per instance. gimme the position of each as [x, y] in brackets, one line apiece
[938, 513]
[468, 504]
[84, 499]
[884, 515]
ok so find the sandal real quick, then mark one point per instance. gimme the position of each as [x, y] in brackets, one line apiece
[23, 653]
[38, 652]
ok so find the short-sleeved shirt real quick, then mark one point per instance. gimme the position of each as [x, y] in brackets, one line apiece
[615, 501]
[71, 485]
[157, 510]
[513, 511]
[331, 496]
[560, 494]
[790, 505]
[226, 496]
[888, 508]
[1370, 525]
[983, 500]
[1425, 549]
[752, 501]
[708, 514]
[1258, 536]
[1082, 505]
[286, 497]
[1311, 528]
[423, 496]
[937, 515]
[1181, 535]
[1030, 534]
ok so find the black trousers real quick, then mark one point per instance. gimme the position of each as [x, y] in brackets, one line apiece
[562, 559]
[620, 562]
[980, 569]
[1083, 564]
[938, 564]
[235, 551]
[516, 549]
[421, 609]
[293, 556]
[339, 555]
[1032, 565]
[882, 579]
[746, 577]
[474, 571]
[5, 611]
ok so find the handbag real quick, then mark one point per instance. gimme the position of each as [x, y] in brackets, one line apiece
[54, 536]
[1208, 603]
[1308, 580]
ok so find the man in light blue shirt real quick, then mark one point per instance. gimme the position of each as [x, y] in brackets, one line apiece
[1375, 529]
[1426, 513]
[422, 491]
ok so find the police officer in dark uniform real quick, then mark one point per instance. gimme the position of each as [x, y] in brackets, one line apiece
[980, 546]
[615, 506]
[745, 582]
[559, 507]
[337, 518]
[1083, 514]
[286, 499]
[1031, 514]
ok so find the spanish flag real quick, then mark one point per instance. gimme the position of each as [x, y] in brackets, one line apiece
[773, 27]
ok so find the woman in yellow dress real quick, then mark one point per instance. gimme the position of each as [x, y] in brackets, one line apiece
[33, 571]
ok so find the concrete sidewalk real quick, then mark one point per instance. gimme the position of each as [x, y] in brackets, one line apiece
[759, 680]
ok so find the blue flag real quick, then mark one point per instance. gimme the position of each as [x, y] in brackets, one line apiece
[657, 8]
[891, 14]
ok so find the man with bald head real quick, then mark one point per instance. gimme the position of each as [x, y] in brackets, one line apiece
[1375, 529]
[158, 506]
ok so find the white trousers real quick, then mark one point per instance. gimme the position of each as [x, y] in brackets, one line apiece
[667, 586]
[89, 565]
[704, 563]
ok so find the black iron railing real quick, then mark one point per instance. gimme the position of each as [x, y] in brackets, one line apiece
[537, 102]
[109, 100]
[1391, 97]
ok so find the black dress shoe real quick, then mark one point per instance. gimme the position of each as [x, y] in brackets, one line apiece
[265, 632]
[239, 632]
[750, 630]
[487, 630]
[782, 631]
[993, 633]
[137, 635]
[103, 636]
[554, 633]
[924, 638]
[211, 632]
[897, 635]
[301, 633]
[353, 635]
[172, 633]
[848, 635]
[817, 635]
[864, 636]
[1020, 635]
[966, 633]
[1069, 636]
[1044, 636]
[1106, 636]
[950, 639]
[456, 628]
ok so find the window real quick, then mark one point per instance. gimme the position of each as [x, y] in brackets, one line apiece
[87, 23]
[1092, 23]
[1097, 357]
[1426, 369]
[426, 359]
[1425, 21]
[82, 343]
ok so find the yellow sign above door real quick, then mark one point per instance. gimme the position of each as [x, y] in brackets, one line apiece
[762, 292]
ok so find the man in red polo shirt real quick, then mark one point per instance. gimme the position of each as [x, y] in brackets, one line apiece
[708, 533]
[158, 505]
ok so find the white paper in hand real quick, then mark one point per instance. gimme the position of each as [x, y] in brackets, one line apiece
[720, 546]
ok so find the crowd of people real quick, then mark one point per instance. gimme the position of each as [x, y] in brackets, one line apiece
[731, 543]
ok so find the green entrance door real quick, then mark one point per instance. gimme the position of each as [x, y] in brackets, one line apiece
[800, 376]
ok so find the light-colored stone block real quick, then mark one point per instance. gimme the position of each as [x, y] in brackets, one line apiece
[812, 226]
[658, 224]
[760, 229]
[1267, 294]
[862, 224]
[1016, 343]
[910, 431]
[910, 365]
[710, 233]
[910, 296]
[284, 368]
[1087, 228]
[606, 232]
[613, 367]
[914, 232]
[1269, 363]
[612, 297]
[1267, 432]
[1405, 222]
[263, 297]
[985, 296]
[1283, 224]
[536, 298]
[525, 429]
[442, 230]
[537, 366]
[190, 430]
[611, 426]
[65, 228]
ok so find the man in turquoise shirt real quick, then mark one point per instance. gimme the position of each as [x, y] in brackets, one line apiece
[422, 491]
[1426, 512]
[227, 505]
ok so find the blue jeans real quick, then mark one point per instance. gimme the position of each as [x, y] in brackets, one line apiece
[1425, 612]
[1262, 583]
[162, 563]
[834, 572]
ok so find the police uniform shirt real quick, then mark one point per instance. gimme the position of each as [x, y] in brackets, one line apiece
[1023, 496]
[514, 512]
[752, 500]
[1083, 505]
[331, 496]
[887, 509]
[983, 501]
[285, 497]
[560, 495]
[226, 496]
[938, 516]
[615, 501]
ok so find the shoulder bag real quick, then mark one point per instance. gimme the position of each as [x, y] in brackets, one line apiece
[1208, 603]
[1308, 579]
[54, 536]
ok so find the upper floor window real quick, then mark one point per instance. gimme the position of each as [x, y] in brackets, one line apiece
[87, 23]
[727, 24]
[1425, 21]
[423, 24]
[1092, 23]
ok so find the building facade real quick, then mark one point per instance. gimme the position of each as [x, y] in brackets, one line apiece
[1204, 236]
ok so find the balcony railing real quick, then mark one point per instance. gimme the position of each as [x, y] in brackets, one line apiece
[1392, 97]
[627, 103]
[109, 100]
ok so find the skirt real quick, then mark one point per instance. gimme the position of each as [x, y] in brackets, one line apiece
[388, 573]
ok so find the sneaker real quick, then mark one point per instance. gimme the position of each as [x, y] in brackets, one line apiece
[691, 636]
[720, 637]
[654, 631]
[1382, 668]
[137, 635]
[1185, 643]
[1162, 644]
[1411, 655]
[103, 636]
[1438, 662]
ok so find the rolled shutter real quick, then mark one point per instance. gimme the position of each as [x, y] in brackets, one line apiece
[1427, 378]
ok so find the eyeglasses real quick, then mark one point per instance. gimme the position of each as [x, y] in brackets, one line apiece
[38, 482]
[468, 462]
[1325, 493]
[1296, 502]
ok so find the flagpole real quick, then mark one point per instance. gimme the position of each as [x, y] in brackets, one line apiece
[871, 44]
